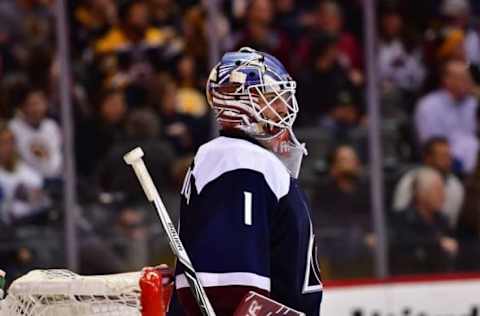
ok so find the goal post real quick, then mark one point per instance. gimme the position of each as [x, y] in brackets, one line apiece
[64, 293]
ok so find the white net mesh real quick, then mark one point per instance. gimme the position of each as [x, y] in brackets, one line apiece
[62, 292]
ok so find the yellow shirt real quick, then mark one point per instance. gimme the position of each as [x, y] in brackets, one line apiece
[191, 101]
[116, 39]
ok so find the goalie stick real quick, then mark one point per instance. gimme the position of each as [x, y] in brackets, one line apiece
[134, 159]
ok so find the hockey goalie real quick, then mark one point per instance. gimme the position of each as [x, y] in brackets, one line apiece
[244, 220]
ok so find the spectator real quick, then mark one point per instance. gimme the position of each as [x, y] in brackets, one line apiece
[142, 129]
[421, 240]
[448, 45]
[134, 29]
[287, 17]
[260, 34]
[38, 137]
[436, 155]
[23, 197]
[342, 215]
[97, 135]
[94, 18]
[25, 26]
[343, 116]
[132, 229]
[323, 81]
[186, 125]
[133, 51]
[450, 112]
[165, 12]
[194, 32]
[468, 227]
[458, 15]
[400, 64]
[328, 18]
[186, 72]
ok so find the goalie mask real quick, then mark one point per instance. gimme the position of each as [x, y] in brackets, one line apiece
[252, 91]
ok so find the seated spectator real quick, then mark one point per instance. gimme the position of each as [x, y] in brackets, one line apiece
[436, 155]
[96, 136]
[131, 52]
[165, 12]
[458, 15]
[134, 29]
[468, 226]
[191, 100]
[184, 117]
[343, 116]
[142, 129]
[38, 137]
[260, 34]
[451, 112]
[341, 215]
[465, 29]
[400, 64]
[287, 17]
[25, 26]
[445, 45]
[195, 33]
[21, 186]
[421, 240]
[321, 83]
[94, 17]
[186, 72]
[328, 18]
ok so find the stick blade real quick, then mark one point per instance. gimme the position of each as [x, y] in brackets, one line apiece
[254, 304]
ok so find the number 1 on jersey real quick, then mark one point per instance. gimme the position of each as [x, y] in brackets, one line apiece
[248, 208]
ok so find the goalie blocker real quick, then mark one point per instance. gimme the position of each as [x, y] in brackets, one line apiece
[254, 304]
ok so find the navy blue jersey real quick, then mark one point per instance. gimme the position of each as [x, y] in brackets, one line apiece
[245, 222]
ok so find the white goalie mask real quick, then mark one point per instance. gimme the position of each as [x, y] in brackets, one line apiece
[251, 91]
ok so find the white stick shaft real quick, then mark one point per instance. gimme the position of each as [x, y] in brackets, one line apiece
[134, 158]
[145, 179]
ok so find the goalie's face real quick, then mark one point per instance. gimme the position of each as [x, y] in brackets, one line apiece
[273, 110]
[274, 104]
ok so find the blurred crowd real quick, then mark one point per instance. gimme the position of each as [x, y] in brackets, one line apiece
[139, 71]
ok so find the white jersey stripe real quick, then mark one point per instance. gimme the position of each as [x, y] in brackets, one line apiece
[224, 154]
[226, 279]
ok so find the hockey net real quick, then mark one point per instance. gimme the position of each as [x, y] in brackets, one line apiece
[64, 293]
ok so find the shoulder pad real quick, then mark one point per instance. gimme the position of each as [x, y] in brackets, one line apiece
[224, 154]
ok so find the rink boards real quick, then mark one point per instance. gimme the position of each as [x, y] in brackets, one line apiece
[452, 295]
